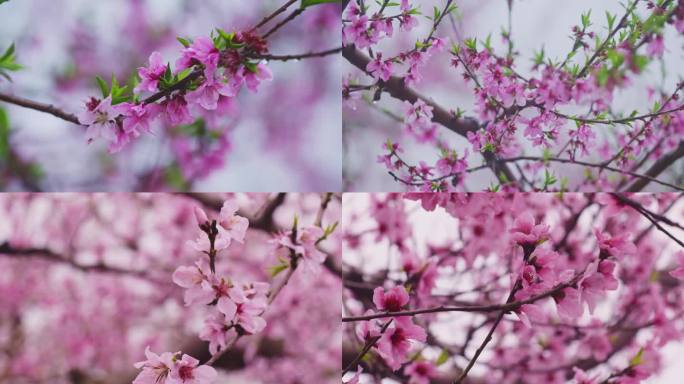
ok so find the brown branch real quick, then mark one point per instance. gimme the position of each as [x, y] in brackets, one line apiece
[507, 307]
[299, 56]
[46, 254]
[657, 168]
[47, 108]
[396, 88]
[274, 14]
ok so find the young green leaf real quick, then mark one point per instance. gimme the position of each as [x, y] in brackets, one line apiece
[309, 3]
[103, 86]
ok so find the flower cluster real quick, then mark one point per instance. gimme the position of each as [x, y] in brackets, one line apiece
[208, 76]
[171, 368]
[397, 334]
[591, 298]
[239, 305]
[554, 108]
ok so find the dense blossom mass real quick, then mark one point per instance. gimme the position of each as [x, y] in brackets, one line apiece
[169, 289]
[533, 288]
[525, 119]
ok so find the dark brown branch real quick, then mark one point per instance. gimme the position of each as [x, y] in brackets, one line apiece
[657, 168]
[299, 56]
[274, 14]
[507, 307]
[396, 88]
[47, 108]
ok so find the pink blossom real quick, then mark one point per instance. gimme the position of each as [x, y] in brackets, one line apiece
[207, 94]
[568, 304]
[195, 280]
[248, 316]
[177, 112]
[367, 330]
[188, 371]
[391, 300]
[100, 117]
[201, 51]
[582, 377]
[678, 272]
[253, 79]
[380, 69]
[138, 117]
[656, 47]
[231, 225]
[618, 246]
[149, 76]
[420, 372]
[304, 244]
[229, 295]
[597, 282]
[395, 342]
[155, 369]
[214, 331]
[526, 232]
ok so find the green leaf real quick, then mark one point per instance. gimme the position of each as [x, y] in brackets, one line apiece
[186, 42]
[637, 359]
[443, 357]
[309, 3]
[3, 1]
[4, 134]
[276, 269]
[103, 86]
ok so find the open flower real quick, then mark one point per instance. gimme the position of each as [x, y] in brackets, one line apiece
[395, 343]
[155, 369]
[100, 117]
[420, 372]
[149, 76]
[392, 300]
[188, 371]
[616, 246]
[526, 232]
[195, 280]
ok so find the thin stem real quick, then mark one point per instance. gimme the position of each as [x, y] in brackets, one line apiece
[507, 307]
[300, 56]
[274, 14]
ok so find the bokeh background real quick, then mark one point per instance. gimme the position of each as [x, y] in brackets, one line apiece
[286, 137]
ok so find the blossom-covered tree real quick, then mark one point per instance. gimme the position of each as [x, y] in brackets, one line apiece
[468, 112]
[169, 289]
[511, 288]
[172, 92]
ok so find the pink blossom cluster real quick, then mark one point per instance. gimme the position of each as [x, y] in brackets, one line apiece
[208, 76]
[557, 109]
[583, 276]
[239, 305]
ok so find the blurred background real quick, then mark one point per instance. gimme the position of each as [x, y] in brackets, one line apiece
[536, 24]
[286, 137]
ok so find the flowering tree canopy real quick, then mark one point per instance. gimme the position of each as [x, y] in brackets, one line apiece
[167, 91]
[511, 288]
[169, 289]
[536, 121]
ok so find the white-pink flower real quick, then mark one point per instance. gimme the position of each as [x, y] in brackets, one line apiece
[188, 371]
[155, 369]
